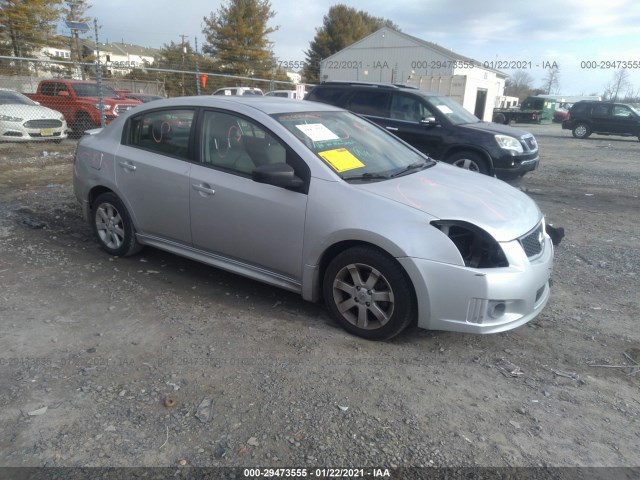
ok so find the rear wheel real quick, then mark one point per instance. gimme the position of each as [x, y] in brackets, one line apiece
[469, 161]
[581, 130]
[499, 118]
[369, 293]
[113, 227]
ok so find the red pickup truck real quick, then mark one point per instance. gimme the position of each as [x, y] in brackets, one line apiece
[78, 102]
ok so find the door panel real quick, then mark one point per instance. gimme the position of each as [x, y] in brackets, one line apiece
[259, 224]
[152, 172]
[233, 216]
[157, 190]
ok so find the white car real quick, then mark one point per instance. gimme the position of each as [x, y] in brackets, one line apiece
[239, 91]
[286, 94]
[23, 120]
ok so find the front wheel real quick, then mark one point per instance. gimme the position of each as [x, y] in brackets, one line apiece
[113, 227]
[581, 130]
[369, 293]
[83, 122]
[469, 161]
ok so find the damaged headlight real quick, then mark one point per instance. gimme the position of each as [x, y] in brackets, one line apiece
[477, 248]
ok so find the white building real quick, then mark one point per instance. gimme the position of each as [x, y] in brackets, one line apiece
[394, 57]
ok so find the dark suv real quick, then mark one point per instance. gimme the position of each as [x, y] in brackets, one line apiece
[587, 117]
[436, 125]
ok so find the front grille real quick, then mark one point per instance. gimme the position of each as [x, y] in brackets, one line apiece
[123, 108]
[533, 242]
[44, 123]
[530, 142]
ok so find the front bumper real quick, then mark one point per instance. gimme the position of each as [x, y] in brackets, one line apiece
[20, 133]
[462, 299]
[516, 167]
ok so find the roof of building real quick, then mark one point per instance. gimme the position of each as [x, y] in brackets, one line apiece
[418, 41]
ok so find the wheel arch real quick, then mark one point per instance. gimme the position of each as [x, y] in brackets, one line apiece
[313, 276]
[98, 190]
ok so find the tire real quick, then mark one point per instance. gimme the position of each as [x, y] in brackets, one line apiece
[581, 130]
[469, 161]
[112, 226]
[369, 293]
[83, 122]
[499, 118]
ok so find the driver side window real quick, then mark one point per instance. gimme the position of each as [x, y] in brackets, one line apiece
[407, 108]
[236, 144]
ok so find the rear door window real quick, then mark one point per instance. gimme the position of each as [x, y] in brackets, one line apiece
[600, 110]
[163, 131]
[370, 103]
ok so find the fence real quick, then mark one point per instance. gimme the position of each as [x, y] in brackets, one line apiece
[74, 107]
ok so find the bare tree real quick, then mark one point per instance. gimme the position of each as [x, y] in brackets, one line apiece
[519, 85]
[551, 82]
[619, 83]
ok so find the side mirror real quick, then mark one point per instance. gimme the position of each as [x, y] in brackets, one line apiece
[63, 93]
[277, 174]
[429, 121]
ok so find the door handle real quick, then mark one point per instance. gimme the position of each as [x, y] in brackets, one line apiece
[393, 129]
[128, 166]
[203, 189]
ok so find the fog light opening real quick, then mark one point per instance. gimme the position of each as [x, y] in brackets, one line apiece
[497, 309]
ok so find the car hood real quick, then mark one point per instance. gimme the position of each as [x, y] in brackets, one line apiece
[496, 129]
[29, 112]
[451, 193]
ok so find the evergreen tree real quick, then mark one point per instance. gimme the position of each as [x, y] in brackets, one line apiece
[236, 38]
[28, 25]
[341, 27]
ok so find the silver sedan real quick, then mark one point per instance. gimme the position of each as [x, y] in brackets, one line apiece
[316, 200]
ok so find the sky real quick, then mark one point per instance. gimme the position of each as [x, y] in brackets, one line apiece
[587, 39]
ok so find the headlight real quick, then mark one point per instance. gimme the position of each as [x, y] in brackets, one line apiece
[105, 108]
[7, 118]
[477, 248]
[509, 143]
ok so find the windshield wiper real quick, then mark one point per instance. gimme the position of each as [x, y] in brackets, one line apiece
[413, 167]
[368, 176]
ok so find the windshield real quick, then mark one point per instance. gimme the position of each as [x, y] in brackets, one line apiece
[451, 109]
[353, 147]
[91, 90]
[14, 98]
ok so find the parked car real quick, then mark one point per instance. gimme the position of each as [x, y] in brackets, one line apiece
[562, 112]
[293, 94]
[603, 118]
[23, 120]
[316, 200]
[79, 102]
[438, 126]
[238, 91]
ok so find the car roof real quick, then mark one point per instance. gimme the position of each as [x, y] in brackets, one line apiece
[373, 85]
[267, 105]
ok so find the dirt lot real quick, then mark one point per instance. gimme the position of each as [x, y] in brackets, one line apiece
[154, 360]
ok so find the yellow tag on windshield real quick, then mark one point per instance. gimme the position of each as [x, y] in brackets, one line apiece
[341, 159]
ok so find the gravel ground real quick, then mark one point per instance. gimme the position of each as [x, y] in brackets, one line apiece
[154, 360]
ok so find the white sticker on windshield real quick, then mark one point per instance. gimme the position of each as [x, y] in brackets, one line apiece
[317, 132]
[444, 109]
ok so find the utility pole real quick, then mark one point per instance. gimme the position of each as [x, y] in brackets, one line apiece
[184, 53]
